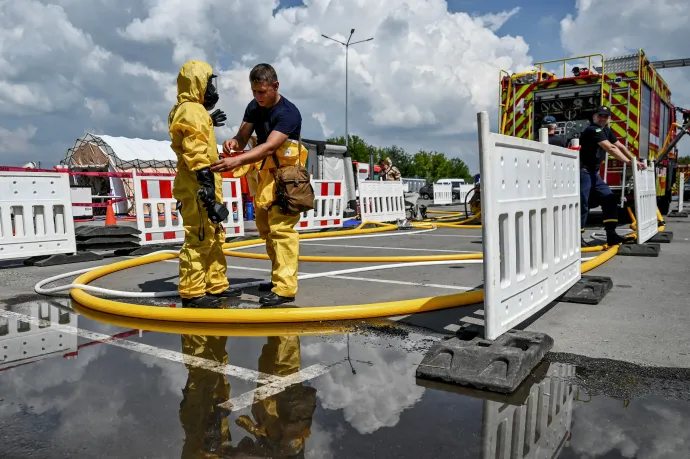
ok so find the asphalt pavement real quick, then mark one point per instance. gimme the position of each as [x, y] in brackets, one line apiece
[615, 383]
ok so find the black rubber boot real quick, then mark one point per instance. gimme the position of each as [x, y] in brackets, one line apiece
[612, 238]
[273, 299]
[266, 287]
[206, 302]
[229, 293]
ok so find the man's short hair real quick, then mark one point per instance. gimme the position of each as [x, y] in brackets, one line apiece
[263, 73]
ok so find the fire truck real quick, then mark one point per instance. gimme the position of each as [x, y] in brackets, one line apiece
[642, 114]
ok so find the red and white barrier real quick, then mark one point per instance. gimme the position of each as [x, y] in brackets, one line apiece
[153, 196]
[232, 199]
[158, 218]
[328, 206]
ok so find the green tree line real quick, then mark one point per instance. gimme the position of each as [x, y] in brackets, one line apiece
[429, 165]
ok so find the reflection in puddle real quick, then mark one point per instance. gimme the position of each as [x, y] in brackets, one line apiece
[32, 335]
[337, 396]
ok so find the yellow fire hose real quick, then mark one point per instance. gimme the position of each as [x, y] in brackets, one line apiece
[213, 329]
[282, 315]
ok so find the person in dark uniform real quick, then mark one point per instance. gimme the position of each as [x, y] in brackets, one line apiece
[549, 122]
[596, 141]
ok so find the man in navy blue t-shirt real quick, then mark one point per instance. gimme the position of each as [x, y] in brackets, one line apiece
[277, 123]
[596, 141]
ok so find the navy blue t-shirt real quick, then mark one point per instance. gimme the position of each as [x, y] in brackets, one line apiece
[591, 154]
[282, 117]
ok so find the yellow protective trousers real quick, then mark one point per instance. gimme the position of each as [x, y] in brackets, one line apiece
[282, 247]
[203, 266]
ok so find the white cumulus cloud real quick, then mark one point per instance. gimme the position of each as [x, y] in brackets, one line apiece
[418, 84]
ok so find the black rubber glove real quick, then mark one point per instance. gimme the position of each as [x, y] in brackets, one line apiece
[217, 212]
[218, 117]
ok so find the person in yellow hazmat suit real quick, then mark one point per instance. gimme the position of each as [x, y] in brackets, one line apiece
[282, 422]
[205, 424]
[277, 123]
[198, 190]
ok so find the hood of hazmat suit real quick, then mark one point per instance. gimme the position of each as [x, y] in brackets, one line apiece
[207, 433]
[282, 421]
[202, 264]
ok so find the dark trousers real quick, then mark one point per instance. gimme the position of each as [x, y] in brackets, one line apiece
[591, 182]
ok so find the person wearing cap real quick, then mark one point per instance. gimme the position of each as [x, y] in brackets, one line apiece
[549, 122]
[596, 141]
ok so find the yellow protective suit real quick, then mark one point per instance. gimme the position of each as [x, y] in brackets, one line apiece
[275, 227]
[203, 266]
[282, 422]
[206, 428]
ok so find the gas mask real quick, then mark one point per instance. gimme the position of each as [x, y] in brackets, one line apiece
[211, 95]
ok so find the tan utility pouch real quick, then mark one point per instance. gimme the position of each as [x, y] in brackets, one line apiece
[294, 193]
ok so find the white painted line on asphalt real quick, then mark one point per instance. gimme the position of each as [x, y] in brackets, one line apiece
[386, 248]
[366, 279]
[452, 327]
[265, 391]
[387, 281]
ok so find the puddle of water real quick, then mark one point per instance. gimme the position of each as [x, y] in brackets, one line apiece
[82, 388]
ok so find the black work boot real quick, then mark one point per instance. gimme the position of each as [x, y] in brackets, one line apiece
[273, 299]
[229, 293]
[612, 238]
[206, 301]
[266, 287]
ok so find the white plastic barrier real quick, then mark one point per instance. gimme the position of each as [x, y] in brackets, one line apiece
[23, 341]
[681, 192]
[381, 201]
[645, 203]
[443, 194]
[158, 218]
[328, 206]
[531, 231]
[35, 215]
[464, 189]
[539, 427]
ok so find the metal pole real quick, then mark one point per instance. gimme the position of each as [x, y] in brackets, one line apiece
[347, 49]
[347, 135]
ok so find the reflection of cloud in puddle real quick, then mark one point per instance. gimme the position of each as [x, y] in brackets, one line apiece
[375, 396]
[646, 429]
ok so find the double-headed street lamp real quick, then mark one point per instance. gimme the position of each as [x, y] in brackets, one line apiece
[347, 48]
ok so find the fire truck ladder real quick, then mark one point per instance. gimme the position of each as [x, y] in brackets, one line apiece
[623, 106]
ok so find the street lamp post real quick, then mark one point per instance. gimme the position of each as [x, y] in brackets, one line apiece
[347, 48]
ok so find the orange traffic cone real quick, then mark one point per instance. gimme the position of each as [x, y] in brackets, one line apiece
[110, 215]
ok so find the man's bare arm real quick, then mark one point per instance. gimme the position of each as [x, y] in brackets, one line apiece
[274, 141]
[624, 149]
[244, 134]
[615, 151]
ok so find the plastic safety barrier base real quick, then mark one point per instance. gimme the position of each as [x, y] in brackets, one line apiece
[146, 250]
[516, 398]
[62, 259]
[89, 231]
[588, 290]
[663, 238]
[682, 214]
[639, 250]
[500, 365]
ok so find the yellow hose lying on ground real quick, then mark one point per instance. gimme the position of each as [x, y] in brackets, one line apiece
[214, 329]
[280, 315]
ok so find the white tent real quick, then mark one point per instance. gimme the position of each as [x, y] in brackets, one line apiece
[104, 153]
